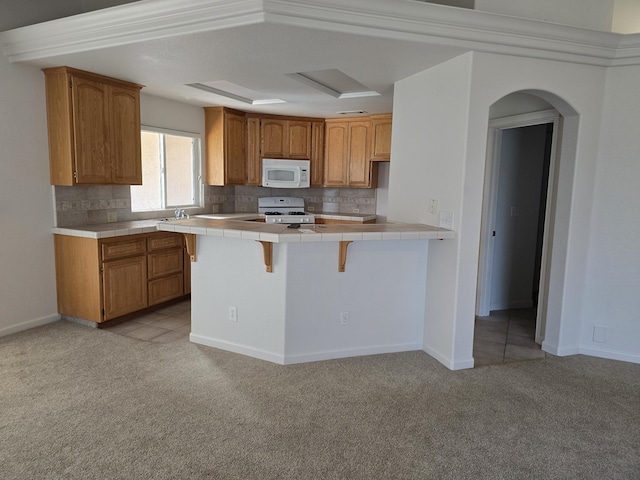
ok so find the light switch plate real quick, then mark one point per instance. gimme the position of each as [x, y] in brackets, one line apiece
[446, 220]
[112, 217]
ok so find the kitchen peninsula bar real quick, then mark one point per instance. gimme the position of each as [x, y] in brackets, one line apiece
[292, 295]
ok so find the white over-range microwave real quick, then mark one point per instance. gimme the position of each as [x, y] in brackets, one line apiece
[281, 173]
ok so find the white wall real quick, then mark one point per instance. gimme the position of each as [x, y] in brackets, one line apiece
[591, 14]
[27, 282]
[439, 152]
[611, 297]
[293, 314]
[428, 150]
[163, 113]
[626, 16]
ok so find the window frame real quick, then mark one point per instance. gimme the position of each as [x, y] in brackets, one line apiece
[196, 165]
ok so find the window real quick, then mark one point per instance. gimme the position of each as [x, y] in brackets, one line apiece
[171, 175]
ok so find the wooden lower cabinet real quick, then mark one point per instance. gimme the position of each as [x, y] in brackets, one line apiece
[125, 286]
[103, 279]
[166, 288]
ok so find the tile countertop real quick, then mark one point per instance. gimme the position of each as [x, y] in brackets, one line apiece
[107, 230]
[236, 227]
[277, 233]
[351, 217]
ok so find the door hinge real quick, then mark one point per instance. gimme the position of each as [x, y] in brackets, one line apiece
[75, 175]
[70, 83]
[103, 312]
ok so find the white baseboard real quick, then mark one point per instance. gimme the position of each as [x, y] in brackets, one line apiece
[36, 322]
[559, 352]
[447, 362]
[237, 348]
[600, 353]
[299, 358]
[354, 352]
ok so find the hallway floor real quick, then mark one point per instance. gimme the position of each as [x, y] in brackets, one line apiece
[506, 336]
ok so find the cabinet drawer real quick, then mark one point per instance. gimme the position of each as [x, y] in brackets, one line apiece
[164, 241]
[123, 248]
[164, 263]
[166, 288]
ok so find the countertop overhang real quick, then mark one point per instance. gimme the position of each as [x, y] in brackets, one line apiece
[240, 228]
[306, 233]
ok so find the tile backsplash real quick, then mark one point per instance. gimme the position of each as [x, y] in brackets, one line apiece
[327, 200]
[91, 204]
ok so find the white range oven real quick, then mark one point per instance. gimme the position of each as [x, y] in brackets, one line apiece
[285, 210]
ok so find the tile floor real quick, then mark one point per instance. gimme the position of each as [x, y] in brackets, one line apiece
[506, 336]
[170, 324]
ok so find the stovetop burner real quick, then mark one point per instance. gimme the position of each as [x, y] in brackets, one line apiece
[284, 210]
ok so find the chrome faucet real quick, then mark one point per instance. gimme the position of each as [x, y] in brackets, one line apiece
[179, 213]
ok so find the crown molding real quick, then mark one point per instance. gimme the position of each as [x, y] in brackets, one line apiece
[628, 51]
[400, 19]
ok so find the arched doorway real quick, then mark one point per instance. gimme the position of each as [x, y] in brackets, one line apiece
[519, 204]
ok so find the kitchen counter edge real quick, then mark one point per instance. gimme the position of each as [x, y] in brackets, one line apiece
[235, 228]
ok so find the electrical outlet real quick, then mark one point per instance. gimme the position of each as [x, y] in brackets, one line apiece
[433, 206]
[311, 209]
[355, 210]
[344, 318]
[216, 208]
[233, 314]
[112, 217]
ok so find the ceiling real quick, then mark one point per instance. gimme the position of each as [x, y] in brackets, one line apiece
[258, 44]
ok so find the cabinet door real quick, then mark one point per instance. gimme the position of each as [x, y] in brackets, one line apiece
[298, 140]
[336, 154]
[274, 138]
[359, 154]
[254, 162]
[381, 138]
[317, 154]
[125, 286]
[235, 158]
[165, 262]
[165, 289]
[91, 131]
[125, 136]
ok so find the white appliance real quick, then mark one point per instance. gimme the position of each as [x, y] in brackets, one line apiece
[279, 173]
[286, 210]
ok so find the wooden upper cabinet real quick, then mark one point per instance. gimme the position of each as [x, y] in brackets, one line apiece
[336, 154]
[225, 132]
[254, 161]
[298, 140]
[381, 137]
[94, 128]
[125, 119]
[273, 134]
[317, 153]
[283, 138]
[359, 172]
[347, 158]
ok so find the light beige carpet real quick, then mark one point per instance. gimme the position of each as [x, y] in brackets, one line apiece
[81, 403]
